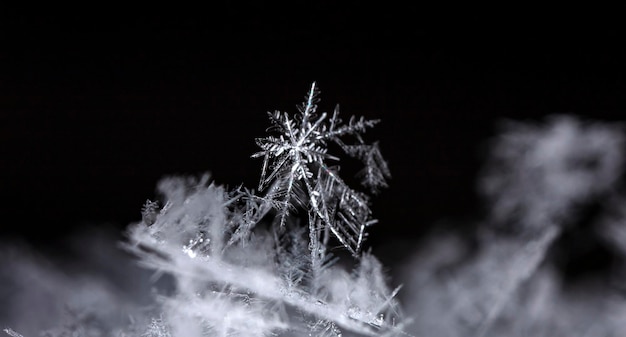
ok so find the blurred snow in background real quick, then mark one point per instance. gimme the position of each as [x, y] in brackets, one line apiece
[550, 188]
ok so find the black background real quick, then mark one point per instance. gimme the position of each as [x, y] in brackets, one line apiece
[96, 107]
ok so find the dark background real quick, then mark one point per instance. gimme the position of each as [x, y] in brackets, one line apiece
[95, 108]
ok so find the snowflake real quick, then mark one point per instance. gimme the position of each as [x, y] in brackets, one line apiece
[296, 171]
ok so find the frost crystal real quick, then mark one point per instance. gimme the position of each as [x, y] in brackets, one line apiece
[240, 264]
[236, 277]
[295, 167]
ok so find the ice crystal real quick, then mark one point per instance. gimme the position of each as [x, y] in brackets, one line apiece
[296, 169]
[246, 263]
[242, 264]
[237, 278]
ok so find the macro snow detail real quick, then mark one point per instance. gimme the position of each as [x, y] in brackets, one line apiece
[296, 169]
[289, 259]
[237, 272]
